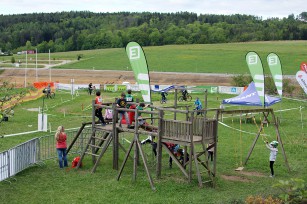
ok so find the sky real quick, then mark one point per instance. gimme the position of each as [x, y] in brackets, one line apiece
[261, 8]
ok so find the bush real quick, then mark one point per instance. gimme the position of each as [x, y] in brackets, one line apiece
[241, 80]
[292, 191]
[270, 87]
[260, 200]
[13, 60]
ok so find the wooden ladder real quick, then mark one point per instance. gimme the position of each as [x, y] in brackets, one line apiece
[94, 144]
[204, 161]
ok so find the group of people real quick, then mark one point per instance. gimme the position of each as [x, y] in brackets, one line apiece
[122, 102]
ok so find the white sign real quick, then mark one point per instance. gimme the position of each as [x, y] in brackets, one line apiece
[301, 77]
[42, 122]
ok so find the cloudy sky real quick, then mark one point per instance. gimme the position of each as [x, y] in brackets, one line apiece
[261, 8]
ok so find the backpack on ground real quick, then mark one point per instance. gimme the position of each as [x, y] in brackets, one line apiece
[75, 162]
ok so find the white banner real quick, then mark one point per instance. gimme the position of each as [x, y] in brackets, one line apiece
[301, 77]
[230, 90]
[76, 86]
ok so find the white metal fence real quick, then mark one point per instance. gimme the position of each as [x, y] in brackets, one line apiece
[24, 155]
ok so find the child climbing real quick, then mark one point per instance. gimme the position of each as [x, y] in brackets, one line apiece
[273, 148]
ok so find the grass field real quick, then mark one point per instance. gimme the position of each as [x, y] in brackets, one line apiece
[48, 184]
[208, 58]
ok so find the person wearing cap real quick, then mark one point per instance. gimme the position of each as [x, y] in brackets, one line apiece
[198, 105]
[273, 153]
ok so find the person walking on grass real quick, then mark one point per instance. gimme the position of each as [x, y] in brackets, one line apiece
[98, 110]
[61, 146]
[273, 148]
[90, 88]
[122, 103]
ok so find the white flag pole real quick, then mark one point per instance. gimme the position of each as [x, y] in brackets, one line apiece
[49, 67]
[36, 64]
[26, 68]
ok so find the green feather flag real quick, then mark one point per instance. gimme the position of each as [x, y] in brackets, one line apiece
[138, 63]
[276, 71]
[255, 67]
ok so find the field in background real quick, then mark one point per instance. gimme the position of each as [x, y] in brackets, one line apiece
[205, 58]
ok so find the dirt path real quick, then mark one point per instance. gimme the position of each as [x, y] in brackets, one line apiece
[18, 76]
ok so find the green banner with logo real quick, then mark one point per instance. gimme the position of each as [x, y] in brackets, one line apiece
[276, 71]
[138, 63]
[255, 67]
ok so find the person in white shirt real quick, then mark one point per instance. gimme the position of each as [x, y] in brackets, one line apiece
[273, 148]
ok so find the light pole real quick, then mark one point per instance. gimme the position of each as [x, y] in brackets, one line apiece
[26, 68]
[36, 64]
[49, 67]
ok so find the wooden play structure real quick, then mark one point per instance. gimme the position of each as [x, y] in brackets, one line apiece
[180, 125]
[174, 124]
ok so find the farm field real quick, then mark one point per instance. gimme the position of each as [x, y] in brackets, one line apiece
[44, 182]
[196, 62]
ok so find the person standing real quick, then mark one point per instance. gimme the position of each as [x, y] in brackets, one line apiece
[140, 107]
[61, 146]
[163, 96]
[273, 148]
[98, 110]
[198, 105]
[122, 103]
[90, 88]
[129, 98]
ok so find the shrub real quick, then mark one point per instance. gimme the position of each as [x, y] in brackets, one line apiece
[260, 200]
[241, 80]
[292, 191]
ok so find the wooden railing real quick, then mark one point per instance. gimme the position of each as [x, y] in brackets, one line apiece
[177, 130]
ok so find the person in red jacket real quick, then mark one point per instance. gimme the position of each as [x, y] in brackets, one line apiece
[61, 146]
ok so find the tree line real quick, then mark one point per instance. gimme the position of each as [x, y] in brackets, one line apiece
[84, 30]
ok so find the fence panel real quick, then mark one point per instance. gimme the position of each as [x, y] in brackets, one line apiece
[23, 156]
[28, 153]
[4, 165]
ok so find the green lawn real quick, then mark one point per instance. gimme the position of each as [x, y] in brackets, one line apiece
[48, 184]
[204, 58]
[212, 58]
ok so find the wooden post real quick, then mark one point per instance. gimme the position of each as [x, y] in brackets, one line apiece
[159, 144]
[77, 136]
[93, 131]
[253, 145]
[136, 152]
[175, 102]
[115, 137]
[279, 140]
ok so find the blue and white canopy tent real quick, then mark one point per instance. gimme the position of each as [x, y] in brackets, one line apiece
[250, 97]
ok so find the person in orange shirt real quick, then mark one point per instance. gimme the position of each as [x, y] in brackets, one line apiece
[61, 146]
[98, 110]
